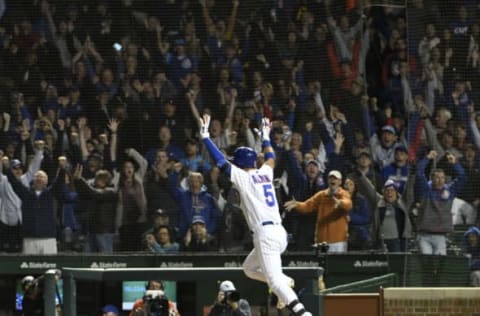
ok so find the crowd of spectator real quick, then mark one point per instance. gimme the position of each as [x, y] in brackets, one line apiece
[100, 100]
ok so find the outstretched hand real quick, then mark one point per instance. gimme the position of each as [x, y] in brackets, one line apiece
[266, 126]
[290, 205]
[204, 125]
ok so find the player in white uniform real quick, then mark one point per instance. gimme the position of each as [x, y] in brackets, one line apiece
[260, 207]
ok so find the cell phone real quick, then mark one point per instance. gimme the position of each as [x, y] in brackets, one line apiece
[117, 47]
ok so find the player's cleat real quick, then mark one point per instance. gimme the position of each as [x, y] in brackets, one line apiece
[280, 303]
[307, 314]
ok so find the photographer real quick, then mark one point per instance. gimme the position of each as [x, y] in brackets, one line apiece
[154, 302]
[33, 300]
[229, 303]
[32, 303]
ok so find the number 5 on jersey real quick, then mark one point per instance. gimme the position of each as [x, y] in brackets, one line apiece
[269, 194]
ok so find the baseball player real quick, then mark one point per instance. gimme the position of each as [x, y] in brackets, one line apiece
[260, 207]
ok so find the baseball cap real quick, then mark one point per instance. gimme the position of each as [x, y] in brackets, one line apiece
[227, 286]
[198, 219]
[160, 212]
[390, 183]
[389, 128]
[364, 152]
[95, 155]
[180, 42]
[335, 173]
[15, 163]
[27, 279]
[401, 148]
[110, 309]
[311, 161]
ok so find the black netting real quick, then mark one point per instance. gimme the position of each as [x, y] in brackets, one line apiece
[103, 92]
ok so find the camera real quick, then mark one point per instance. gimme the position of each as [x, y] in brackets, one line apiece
[232, 296]
[155, 303]
[29, 284]
[321, 248]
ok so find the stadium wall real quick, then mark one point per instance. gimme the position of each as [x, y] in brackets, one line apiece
[431, 301]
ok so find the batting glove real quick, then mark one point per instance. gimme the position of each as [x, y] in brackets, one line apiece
[204, 124]
[265, 129]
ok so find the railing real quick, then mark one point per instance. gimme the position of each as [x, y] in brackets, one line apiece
[368, 285]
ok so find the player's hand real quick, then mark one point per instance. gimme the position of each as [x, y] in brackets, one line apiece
[266, 126]
[290, 205]
[204, 124]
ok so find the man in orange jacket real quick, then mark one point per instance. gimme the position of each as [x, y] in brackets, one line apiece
[332, 206]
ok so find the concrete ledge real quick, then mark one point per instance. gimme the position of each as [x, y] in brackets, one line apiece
[431, 293]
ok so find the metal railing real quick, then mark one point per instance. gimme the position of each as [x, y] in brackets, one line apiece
[368, 285]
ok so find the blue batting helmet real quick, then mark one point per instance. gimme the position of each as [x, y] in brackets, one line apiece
[244, 157]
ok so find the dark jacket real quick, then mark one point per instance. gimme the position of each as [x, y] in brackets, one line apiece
[360, 221]
[159, 196]
[101, 206]
[473, 250]
[210, 244]
[301, 188]
[226, 310]
[39, 216]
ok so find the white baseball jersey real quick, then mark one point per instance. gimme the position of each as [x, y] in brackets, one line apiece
[257, 195]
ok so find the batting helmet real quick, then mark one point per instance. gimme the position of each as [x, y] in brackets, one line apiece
[244, 157]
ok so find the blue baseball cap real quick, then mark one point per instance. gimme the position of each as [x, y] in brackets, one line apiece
[180, 42]
[198, 219]
[389, 128]
[390, 183]
[401, 148]
[110, 309]
[15, 163]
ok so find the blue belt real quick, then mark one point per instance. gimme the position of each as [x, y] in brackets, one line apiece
[267, 223]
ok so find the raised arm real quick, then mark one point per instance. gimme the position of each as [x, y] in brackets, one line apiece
[6, 122]
[141, 161]
[191, 101]
[231, 110]
[217, 156]
[81, 133]
[34, 166]
[268, 151]
[433, 139]
[231, 20]
[113, 126]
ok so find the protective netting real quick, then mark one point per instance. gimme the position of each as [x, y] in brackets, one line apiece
[384, 92]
